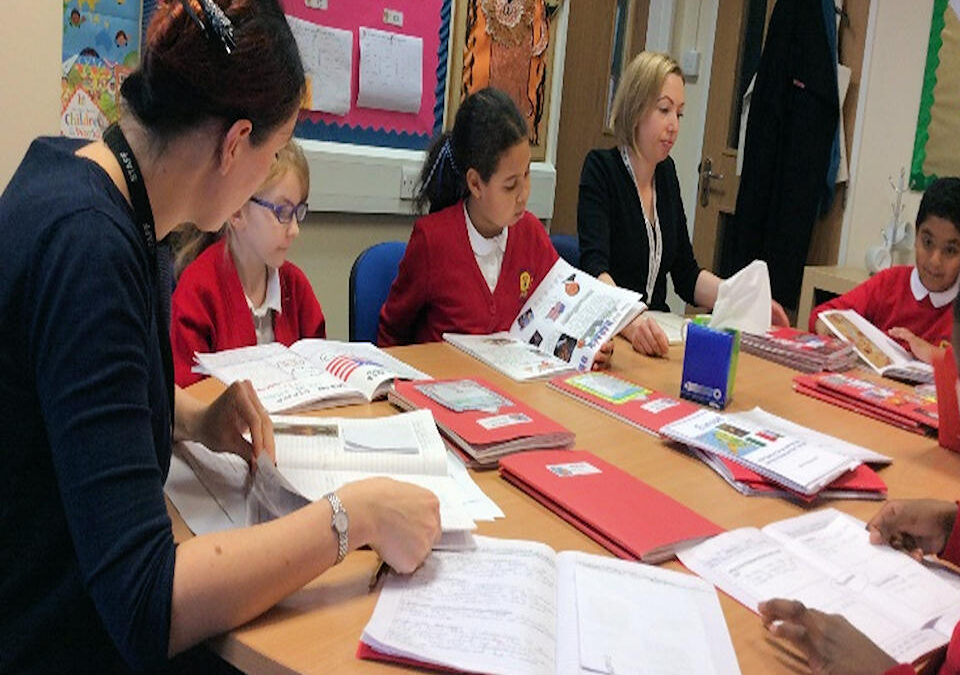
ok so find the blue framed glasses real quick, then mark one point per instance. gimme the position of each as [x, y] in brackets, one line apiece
[284, 212]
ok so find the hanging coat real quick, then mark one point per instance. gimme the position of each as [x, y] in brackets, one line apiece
[790, 131]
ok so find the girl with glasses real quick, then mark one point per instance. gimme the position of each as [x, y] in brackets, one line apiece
[241, 290]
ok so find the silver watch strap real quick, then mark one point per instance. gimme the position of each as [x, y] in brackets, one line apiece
[342, 533]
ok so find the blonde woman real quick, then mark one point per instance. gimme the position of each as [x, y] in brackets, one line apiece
[630, 217]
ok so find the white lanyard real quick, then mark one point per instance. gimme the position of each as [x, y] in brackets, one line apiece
[654, 238]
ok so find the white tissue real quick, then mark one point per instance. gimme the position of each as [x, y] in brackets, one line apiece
[743, 300]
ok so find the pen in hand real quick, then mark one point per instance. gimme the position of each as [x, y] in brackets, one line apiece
[379, 572]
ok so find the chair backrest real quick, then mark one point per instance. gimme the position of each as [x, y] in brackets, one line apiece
[568, 247]
[370, 277]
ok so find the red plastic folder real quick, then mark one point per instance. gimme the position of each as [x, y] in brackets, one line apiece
[620, 512]
[945, 377]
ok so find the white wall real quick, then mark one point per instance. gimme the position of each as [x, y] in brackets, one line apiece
[29, 95]
[890, 93]
[691, 33]
[30, 80]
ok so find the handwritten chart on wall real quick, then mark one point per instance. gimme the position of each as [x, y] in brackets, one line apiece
[360, 65]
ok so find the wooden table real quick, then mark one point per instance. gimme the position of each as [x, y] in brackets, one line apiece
[316, 630]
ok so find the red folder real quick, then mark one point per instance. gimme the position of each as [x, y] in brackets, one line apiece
[365, 651]
[945, 377]
[619, 511]
[477, 432]
[644, 408]
[900, 406]
[862, 479]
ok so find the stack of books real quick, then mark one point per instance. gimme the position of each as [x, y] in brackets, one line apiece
[482, 422]
[901, 407]
[806, 352]
[755, 452]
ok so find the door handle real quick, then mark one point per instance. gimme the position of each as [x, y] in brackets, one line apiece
[706, 175]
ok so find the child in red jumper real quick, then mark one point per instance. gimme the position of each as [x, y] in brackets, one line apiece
[241, 290]
[912, 304]
[472, 263]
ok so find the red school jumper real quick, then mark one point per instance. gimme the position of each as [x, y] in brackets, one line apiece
[886, 301]
[209, 311]
[439, 287]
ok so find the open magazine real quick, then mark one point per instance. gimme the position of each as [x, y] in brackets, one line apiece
[825, 560]
[560, 328]
[310, 373]
[315, 456]
[880, 351]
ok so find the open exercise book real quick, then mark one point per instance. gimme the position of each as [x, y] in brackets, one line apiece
[561, 327]
[215, 491]
[825, 560]
[310, 373]
[880, 351]
[518, 608]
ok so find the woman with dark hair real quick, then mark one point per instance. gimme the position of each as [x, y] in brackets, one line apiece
[92, 580]
[472, 263]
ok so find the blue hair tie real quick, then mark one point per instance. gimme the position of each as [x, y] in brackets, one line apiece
[446, 152]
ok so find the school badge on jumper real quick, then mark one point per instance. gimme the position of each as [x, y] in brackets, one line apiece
[525, 280]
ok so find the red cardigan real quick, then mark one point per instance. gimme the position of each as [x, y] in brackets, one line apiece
[209, 311]
[886, 301]
[439, 287]
[951, 662]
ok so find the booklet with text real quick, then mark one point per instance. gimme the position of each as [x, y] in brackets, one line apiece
[311, 373]
[513, 607]
[801, 465]
[561, 327]
[880, 351]
[825, 560]
[315, 456]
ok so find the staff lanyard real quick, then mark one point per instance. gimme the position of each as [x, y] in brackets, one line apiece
[143, 215]
[654, 236]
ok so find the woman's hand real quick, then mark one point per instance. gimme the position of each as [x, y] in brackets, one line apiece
[830, 643]
[916, 526]
[400, 521]
[778, 317]
[602, 360]
[921, 349]
[221, 425]
[647, 337]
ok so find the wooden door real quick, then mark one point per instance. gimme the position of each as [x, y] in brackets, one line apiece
[602, 37]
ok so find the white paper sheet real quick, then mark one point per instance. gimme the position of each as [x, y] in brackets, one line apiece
[391, 71]
[327, 56]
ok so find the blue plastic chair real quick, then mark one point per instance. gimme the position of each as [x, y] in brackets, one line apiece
[567, 247]
[370, 278]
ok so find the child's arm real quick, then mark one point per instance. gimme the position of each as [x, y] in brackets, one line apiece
[190, 332]
[408, 294]
[922, 350]
[858, 299]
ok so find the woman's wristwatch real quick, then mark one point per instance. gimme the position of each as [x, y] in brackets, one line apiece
[340, 524]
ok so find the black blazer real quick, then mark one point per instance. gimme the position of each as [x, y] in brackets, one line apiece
[613, 236]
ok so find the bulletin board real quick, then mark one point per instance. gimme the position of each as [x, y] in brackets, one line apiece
[936, 149]
[426, 19]
[489, 34]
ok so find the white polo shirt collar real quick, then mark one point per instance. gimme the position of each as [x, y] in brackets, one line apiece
[937, 299]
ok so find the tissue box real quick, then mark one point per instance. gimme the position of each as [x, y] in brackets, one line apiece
[709, 365]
